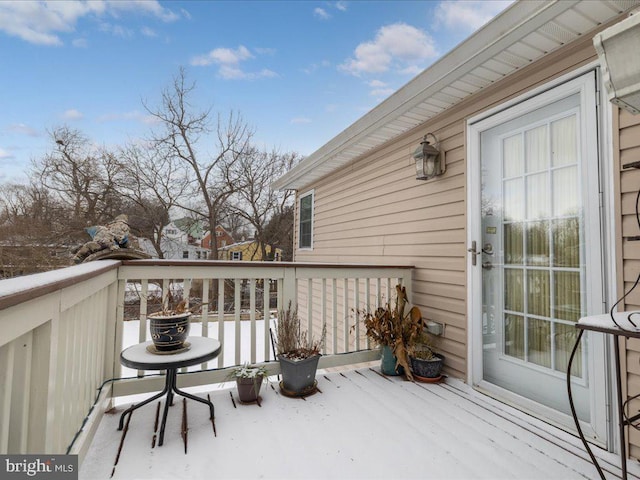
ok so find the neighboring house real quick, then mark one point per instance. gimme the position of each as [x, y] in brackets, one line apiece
[530, 226]
[249, 250]
[178, 243]
[223, 238]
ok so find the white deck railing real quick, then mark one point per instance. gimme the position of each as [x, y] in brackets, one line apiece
[61, 333]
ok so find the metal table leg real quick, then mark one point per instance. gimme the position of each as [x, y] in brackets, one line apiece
[167, 388]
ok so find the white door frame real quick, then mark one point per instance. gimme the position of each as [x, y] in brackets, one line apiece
[561, 87]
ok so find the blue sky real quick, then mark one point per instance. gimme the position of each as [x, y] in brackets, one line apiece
[299, 72]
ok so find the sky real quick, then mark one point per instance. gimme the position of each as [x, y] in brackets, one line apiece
[298, 72]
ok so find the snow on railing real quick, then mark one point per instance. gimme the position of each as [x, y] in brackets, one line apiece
[63, 331]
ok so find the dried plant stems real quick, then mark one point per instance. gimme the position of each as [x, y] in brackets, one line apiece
[291, 341]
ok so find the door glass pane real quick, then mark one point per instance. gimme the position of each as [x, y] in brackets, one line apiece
[514, 290]
[537, 149]
[537, 196]
[538, 291]
[564, 149]
[566, 196]
[568, 295]
[514, 336]
[513, 201]
[566, 243]
[565, 339]
[539, 342]
[513, 243]
[538, 243]
[512, 156]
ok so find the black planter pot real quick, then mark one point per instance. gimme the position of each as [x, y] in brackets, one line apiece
[298, 376]
[427, 368]
[169, 332]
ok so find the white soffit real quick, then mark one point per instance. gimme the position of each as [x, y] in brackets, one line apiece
[523, 33]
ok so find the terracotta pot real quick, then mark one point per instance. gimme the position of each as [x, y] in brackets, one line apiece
[249, 388]
[169, 332]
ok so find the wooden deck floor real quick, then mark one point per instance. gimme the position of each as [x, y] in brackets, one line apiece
[360, 425]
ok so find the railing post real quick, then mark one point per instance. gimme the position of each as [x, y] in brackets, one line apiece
[290, 288]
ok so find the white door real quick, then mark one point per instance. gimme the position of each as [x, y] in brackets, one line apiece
[537, 226]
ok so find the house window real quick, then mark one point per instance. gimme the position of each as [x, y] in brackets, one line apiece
[236, 255]
[185, 254]
[306, 220]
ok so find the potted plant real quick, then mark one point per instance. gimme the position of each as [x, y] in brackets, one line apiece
[170, 326]
[426, 364]
[249, 379]
[396, 332]
[298, 354]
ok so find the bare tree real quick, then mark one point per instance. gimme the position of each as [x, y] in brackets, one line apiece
[213, 174]
[82, 177]
[153, 182]
[256, 202]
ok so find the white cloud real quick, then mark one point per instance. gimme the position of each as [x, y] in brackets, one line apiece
[342, 6]
[300, 120]
[315, 66]
[321, 13]
[398, 46]
[72, 114]
[43, 23]
[80, 43]
[148, 32]
[229, 61]
[376, 83]
[4, 155]
[381, 92]
[23, 129]
[223, 56]
[116, 30]
[468, 14]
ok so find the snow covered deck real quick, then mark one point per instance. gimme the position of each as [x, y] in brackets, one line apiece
[360, 425]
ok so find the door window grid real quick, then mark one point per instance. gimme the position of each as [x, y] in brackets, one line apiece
[541, 163]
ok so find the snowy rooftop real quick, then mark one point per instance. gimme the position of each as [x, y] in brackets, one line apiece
[360, 425]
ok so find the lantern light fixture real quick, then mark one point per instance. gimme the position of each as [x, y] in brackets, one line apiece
[429, 161]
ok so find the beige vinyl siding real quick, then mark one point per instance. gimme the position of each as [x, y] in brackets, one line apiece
[375, 211]
[627, 149]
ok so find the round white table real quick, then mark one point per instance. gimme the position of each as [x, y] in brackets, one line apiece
[140, 357]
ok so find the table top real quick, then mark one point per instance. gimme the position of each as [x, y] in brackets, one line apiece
[603, 323]
[201, 350]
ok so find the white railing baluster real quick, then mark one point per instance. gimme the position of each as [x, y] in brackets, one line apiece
[323, 301]
[236, 319]
[334, 315]
[356, 307]
[345, 315]
[221, 321]
[142, 318]
[266, 316]
[204, 313]
[252, 317]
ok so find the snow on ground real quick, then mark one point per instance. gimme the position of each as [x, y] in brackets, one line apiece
[360, 426]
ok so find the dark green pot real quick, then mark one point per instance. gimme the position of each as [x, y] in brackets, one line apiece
[388, 362]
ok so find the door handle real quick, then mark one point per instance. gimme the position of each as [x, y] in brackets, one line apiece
[474, 252]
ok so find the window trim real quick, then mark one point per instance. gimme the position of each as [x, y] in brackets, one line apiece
[310, 193]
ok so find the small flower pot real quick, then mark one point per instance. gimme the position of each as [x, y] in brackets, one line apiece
[249, 388]
[427, 368]
[388, 362]
[169, 332]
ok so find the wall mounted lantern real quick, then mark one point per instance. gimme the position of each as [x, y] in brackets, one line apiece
[429, 163]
